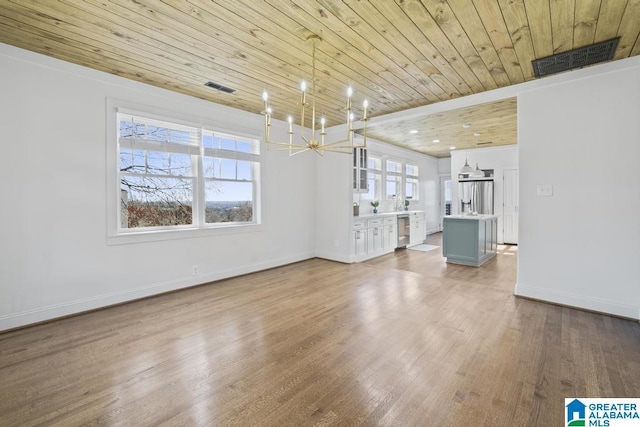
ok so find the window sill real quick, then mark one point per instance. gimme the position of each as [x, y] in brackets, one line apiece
[134, 237]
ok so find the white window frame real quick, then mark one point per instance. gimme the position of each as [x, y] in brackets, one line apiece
[414, 179]
[377, 177]
[118, 235]
[397, 175]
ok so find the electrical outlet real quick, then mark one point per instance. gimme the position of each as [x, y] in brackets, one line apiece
[544, 190]
[195, 270]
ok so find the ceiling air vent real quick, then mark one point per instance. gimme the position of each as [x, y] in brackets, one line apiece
[576, 58]
[220, 87]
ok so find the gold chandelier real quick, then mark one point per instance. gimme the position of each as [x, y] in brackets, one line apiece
[345, 146]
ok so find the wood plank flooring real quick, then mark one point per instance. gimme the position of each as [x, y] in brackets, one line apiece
[401, 340]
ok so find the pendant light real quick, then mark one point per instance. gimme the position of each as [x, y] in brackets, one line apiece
[466, 169]
[478, 173]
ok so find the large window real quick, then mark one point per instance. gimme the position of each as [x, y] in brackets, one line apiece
[176, 176]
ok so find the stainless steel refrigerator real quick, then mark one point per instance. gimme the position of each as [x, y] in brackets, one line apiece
[476, 195]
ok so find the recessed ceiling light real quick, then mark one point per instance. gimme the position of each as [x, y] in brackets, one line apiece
[466, 125]
[476, 134]
[452, 148]
[413, 131]
[436, 141]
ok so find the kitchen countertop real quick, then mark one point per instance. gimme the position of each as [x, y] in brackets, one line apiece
[472, 217]
[379, 214]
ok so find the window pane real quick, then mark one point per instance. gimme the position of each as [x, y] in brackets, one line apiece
[394, 166]
[373, 181]
[227, 144]
[179, 136]
[180, 164]
[227, 168]
[155, 202]
[207, 140]
[374, 163]
[228, 201]
[411, 189]
[157, 163]
[126, 128]
[132, 161]
[245, 147]
[167, 164]
[412, 170]
[208, 167]
[156, 133]
[393, 186]
[244, 170]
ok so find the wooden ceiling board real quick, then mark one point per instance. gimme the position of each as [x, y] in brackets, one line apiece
[586, 18]
[495, 121]
[397, 54]
[628, 30]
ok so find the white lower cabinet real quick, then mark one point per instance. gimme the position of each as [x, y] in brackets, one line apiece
[378, 235]
[390, 234]
[418, 225]
[374, 235]
[359, 239]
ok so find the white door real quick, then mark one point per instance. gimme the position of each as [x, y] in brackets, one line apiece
[510, 206]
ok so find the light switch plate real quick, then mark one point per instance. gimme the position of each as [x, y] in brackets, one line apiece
[545, 190]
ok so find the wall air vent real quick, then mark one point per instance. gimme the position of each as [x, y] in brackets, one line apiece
[220, 87]
[576, 58]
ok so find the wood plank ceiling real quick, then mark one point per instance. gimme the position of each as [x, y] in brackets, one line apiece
[397, 54]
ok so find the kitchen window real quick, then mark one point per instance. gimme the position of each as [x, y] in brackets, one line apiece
[393, 179]
[411, 182]
[175, 176]
[374, 179]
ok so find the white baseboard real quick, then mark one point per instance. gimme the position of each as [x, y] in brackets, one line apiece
[40, 314]
[579, 301]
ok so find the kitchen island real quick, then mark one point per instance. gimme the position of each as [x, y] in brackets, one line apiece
[469, 239]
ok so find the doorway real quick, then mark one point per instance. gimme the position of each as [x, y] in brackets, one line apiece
[445, 198]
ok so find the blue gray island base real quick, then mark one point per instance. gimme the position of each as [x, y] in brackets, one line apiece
[469, 239]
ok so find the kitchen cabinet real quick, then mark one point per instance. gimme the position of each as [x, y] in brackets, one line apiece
[418, 226]
[374, 236]
[390, 234]
[359, 239]
[360, 183]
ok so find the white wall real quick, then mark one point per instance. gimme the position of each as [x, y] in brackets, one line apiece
[581, 247]
[333, 202]
[54, 257]
[496, 158]
[444, 166]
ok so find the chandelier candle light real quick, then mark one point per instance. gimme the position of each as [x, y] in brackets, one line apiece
[345, 146]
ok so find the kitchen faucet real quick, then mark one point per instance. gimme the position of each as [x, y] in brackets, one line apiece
[399, 202]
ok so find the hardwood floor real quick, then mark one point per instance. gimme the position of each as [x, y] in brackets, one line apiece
[401, 340]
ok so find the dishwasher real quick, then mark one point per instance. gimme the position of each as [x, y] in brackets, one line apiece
[404, 230]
